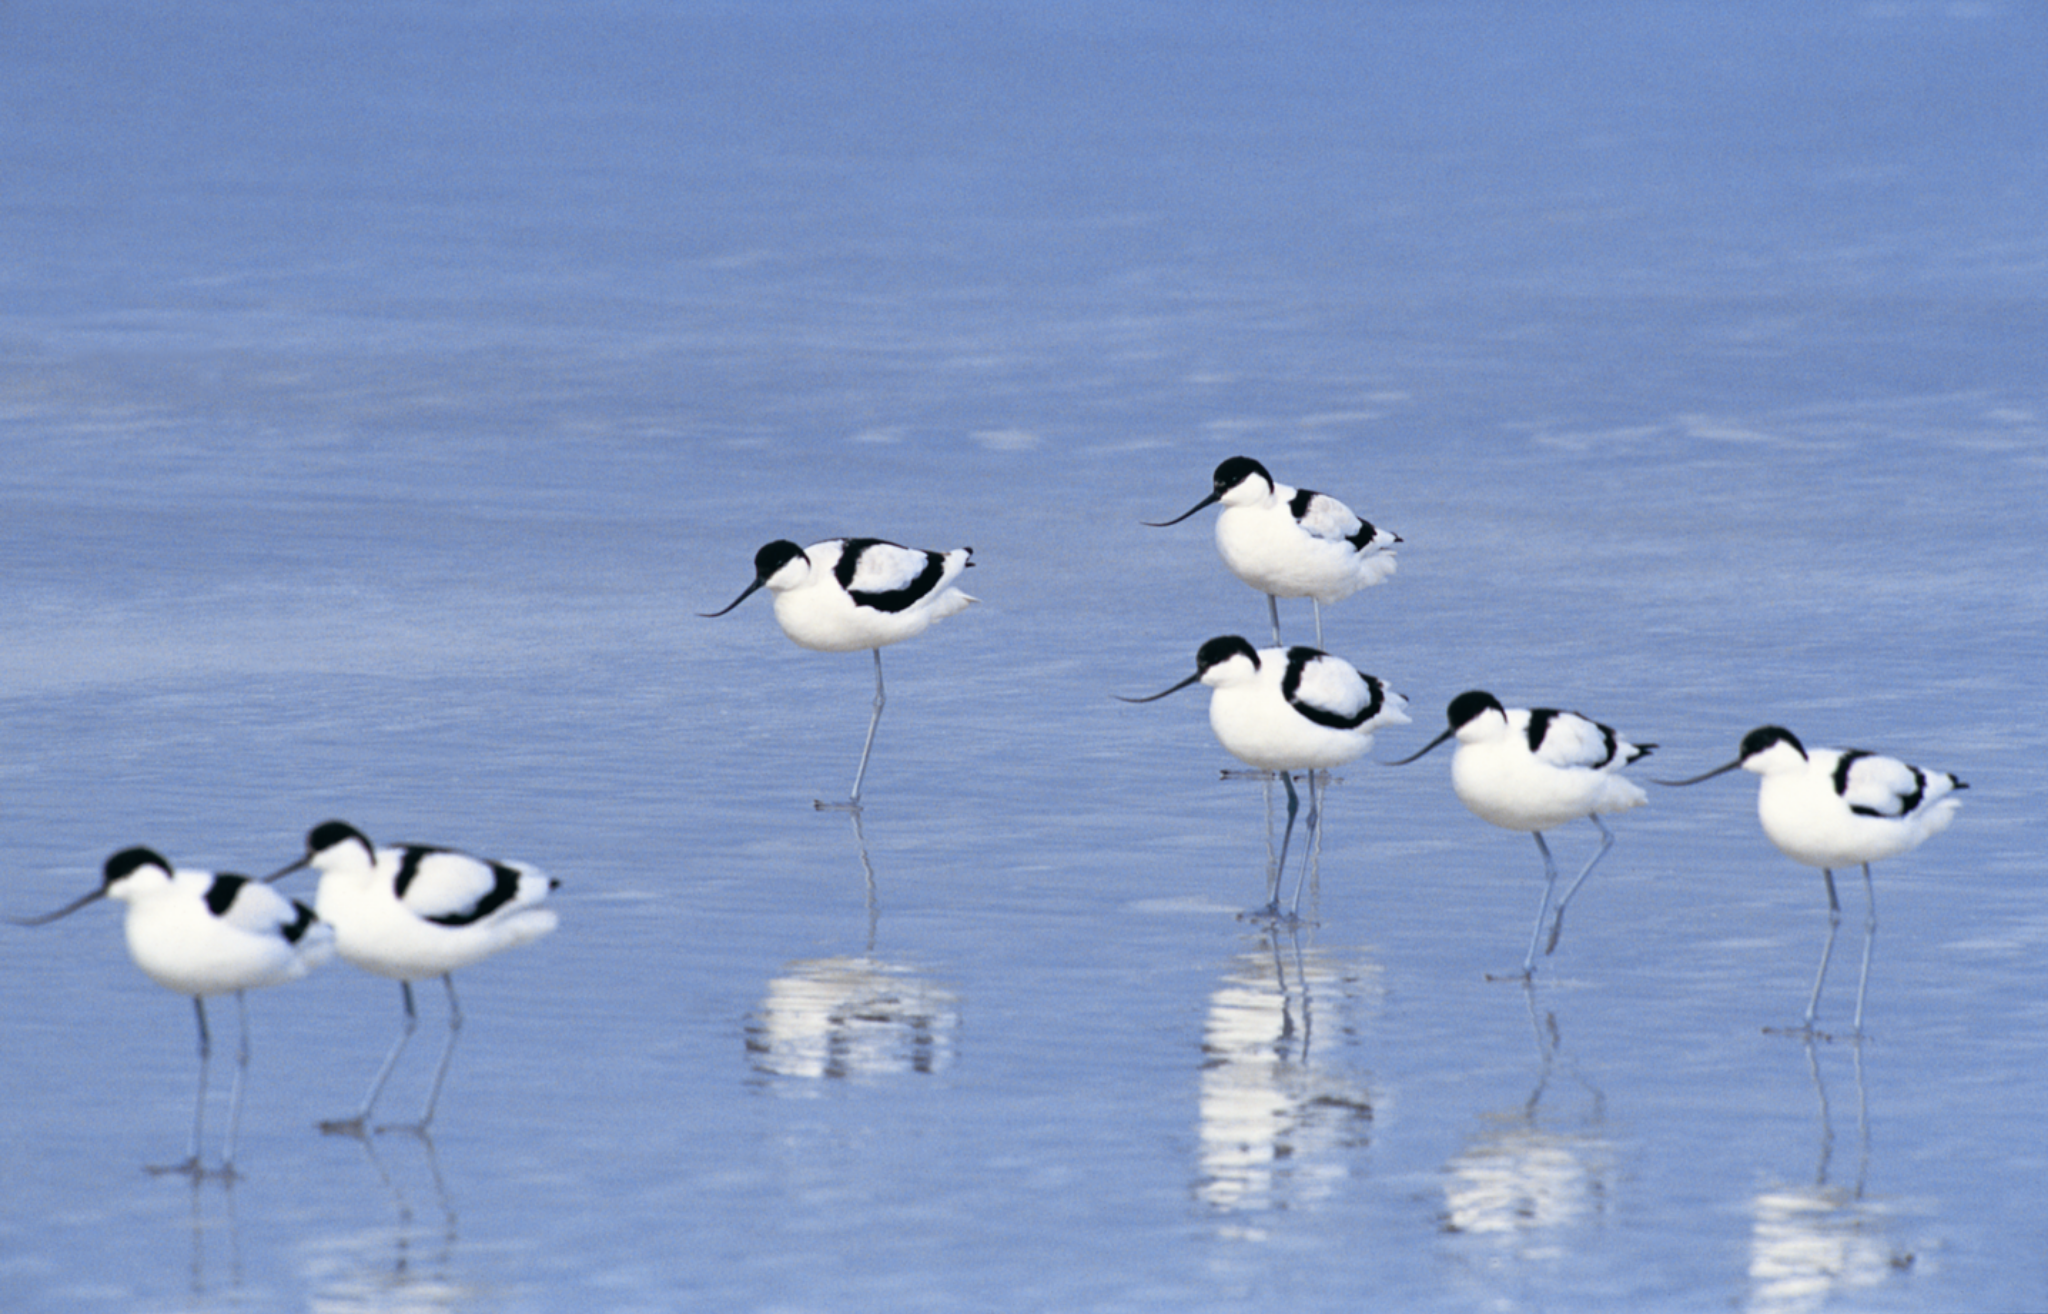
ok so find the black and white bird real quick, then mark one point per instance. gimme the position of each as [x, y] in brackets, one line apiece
[413, 911]
[1533, 769]
[202, 934]
[846, 594]
[1837, 807]
[1287, 710]
[1292, 542]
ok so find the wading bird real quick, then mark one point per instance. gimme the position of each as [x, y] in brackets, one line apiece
[1831, 807]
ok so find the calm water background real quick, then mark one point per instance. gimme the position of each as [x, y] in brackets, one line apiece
[384, 391]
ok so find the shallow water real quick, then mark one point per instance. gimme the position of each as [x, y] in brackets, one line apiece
[384, 401]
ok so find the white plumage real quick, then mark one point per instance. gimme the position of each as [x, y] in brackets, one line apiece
[201, 934]
[1292, 542]
[1833, 807]
[1290, 709]
[414, 911]
[849, 594]
[1533, 769]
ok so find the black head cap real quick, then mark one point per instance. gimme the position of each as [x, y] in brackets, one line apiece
[1220, 650]
[774, 556]
[1236, 470]
[328, 834]
[1764, 737]
[1469, 705]
[128, 861]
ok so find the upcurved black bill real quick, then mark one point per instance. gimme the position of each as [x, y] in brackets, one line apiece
[1425, 748]
[1153, 698]
[1210, 500]
[745, 593]
[288, 869]
[1719, 770]
[65, 911]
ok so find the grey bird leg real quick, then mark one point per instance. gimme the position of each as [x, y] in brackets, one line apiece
[1827, 950]
[191, 1164]
[1542, 909]
[1312, 838]
[1557, 918]
[441, 1070]
[227, 1157]
[1869, 937]
[354, 1126]
[868, 746]
[1280, 868]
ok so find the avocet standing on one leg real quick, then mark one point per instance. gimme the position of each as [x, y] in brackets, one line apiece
[414, 911]
[846, 594]
[1830, 807]
[1534, 769]
[1292, 542]
[1285, 710]
[201, 934]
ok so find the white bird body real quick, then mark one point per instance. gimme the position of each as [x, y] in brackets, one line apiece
[1830, 807]
[1565, 771]
[1296, 543]
[200, 934]
[1836, 807]
[1532, 770]
[1292, 542]
[412, 911]
[848, 594]
[1295, 709]
[1290, 709]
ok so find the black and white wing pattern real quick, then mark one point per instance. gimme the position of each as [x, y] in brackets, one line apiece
[1566, 739]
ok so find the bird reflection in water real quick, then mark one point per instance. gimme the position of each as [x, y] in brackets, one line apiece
[407, 1265]
[207, 1230]
[1814, 1245]
[1282, 1117]
[1312, 861]
[852, 1015]
[1535, 1169]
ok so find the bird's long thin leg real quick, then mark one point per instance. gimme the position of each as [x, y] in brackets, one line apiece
[873, 721]
[1287, 835]
[1869, 937]
[354, 1126]
[1557, 917]
[1319, 621]
[1542, 909]
[1311, 838]
[1272, 861]
[440, 1070]
[227, 1156]
[1273, 610]
[191, 1164]
[1827, 950]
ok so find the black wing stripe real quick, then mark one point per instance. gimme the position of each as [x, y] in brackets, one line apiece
[503, 890]
[893, 600]
[295, 930]
[409, 866]
[1850, 757]
[220, 896]
[1911, 802]
[1290, 684]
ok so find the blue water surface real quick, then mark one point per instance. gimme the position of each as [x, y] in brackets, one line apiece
[384, 393]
